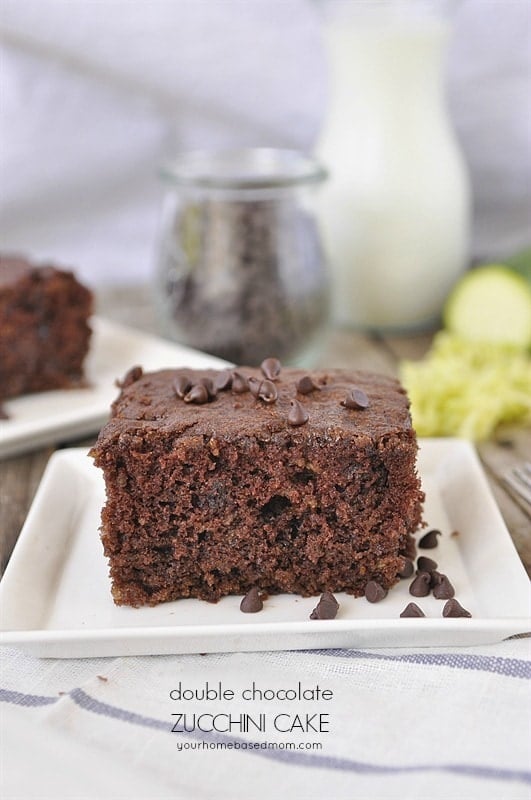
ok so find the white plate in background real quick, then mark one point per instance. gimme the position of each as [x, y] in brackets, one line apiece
[55, 596]
[36, 420]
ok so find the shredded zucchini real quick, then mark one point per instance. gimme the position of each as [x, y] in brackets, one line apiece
[468, 388]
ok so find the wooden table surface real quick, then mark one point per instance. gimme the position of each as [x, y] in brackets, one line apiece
[20, 476]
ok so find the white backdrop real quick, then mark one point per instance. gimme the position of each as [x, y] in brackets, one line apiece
[94, 94]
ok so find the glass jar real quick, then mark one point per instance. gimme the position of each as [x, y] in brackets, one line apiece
[241, 272]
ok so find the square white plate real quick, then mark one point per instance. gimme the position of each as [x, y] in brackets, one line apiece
[36, 420]
[55, 598]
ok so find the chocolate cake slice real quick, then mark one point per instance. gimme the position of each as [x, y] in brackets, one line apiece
[44, 330]
[220, 481]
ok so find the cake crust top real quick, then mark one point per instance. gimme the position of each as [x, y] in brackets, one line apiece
[151, 401]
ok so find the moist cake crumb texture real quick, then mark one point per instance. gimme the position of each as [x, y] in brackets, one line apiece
[218, 482]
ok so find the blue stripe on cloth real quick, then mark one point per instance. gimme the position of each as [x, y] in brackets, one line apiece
[509, 667]
[290, 757]
[20, 699]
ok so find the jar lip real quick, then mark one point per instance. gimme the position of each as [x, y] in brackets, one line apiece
[243, 168]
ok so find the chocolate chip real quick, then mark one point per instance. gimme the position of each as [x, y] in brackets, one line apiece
[425, 564]
[420, 587]
[374, 592]
[306, 385]
[223, 380]
[131, 376]
[198, 395]
[412, 610]
[271, 368]
[434, 577]
[268, 392]
[442, 588]
[429, 540]
[252, 602]
[182, 385]
[356, 398]
[454, 609]
[263, 390]
[208, 383]
[326, 608]
[240, 384]
[298, 414]
[407, 570]
[254, 386]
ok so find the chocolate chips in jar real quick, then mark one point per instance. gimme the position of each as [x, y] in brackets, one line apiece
[241, 270]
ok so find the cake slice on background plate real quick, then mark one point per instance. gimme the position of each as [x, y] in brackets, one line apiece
[44, 328]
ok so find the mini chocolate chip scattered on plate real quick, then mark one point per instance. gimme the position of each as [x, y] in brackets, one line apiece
[420, 587]
[452, 608]
[252, 602]
[443, 589]
[425, 564]
[412, 610]
[326, 608]
[429, 540]
[374, 592]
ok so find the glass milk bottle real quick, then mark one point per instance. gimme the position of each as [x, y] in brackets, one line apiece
[395, 212]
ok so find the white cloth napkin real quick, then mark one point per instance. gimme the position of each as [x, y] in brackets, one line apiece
[432, 723]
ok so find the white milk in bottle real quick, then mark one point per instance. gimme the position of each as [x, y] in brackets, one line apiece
[395, 212]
